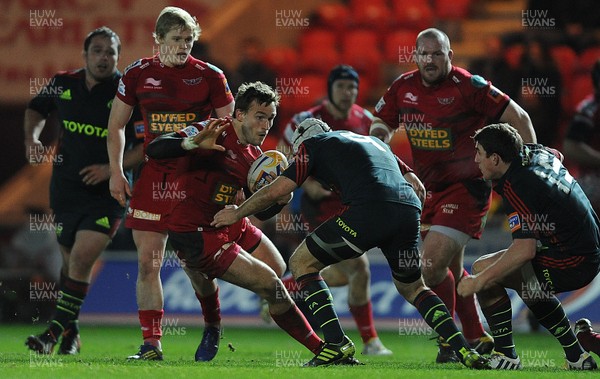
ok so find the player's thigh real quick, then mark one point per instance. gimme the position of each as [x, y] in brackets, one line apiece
[268, 253]
[150, 246]
[439, 250]
[252, 274]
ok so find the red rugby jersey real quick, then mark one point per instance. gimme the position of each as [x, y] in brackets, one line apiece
[440, 120]
[171, 98]
[206, 181]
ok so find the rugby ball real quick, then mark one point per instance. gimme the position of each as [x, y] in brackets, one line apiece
[266, 168]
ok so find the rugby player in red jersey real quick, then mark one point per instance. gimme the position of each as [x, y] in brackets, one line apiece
[172, 90]
[318, 204]
[440, 106]
[214, 174]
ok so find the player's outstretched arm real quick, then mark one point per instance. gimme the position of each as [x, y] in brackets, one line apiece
[281, 188]
[518, 118]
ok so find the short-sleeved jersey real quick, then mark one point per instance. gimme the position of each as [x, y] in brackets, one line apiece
[209, 180]
[439, 121]
[585, 127]
[171, 98]
[83, 118]
[544, 202]
[358, 121]
[361, 169]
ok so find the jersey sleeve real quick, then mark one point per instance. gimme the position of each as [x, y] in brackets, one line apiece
[517, 211]
[43, 103]
[127, 84]
[404, 168]
[484, 97]
[300, 167]
[220, 93]
[386, 109]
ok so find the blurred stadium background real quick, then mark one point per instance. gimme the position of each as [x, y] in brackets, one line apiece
[539, 52]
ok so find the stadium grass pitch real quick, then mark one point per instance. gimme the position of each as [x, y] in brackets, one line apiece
[255, 353]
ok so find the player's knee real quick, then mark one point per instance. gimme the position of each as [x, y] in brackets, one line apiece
[434, 275]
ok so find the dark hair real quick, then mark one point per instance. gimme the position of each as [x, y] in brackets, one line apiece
[501, 139]
[259, 91]
[342, 71]
[104, 32]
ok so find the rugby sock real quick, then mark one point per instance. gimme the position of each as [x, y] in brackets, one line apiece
[499, 318]
[291, 286]
[363, 316]
[150, 321]
[295, 324]
[446, 290]
[320, 305]
[466, 310]
[551, 315]
[436, 315]
[70, 298]
[211, 308]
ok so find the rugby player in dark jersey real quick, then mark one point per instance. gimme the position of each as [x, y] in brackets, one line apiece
[86, 215]
[318, 204]
[555, 247]
[440, 106]
[380, 209]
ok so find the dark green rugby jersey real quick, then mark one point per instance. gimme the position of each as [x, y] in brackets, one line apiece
[361, 169]
[83, 119]
[543, 201]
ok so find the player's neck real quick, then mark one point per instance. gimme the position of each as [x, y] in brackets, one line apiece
[336, 112]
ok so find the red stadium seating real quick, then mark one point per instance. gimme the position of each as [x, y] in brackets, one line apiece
[588, 57]
[413, 14]
[399, 45]
[334, 15]
[371, 14]
[317, 38]
[566, 60]
[282, 60]
[452, 10]
[302, 92]
[360, 49]
[580, 87]
[318, 59]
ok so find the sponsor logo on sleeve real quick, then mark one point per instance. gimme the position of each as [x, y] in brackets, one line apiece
[495, 94]
[514, 222]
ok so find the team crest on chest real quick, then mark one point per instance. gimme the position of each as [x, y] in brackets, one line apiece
[192, 82]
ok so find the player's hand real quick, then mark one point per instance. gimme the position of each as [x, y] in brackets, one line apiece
[34, 151]
[94, 174]
[207, 137]
[226, 216]
[417, 185]
[314, 190]
[469, 285]
[119, 188]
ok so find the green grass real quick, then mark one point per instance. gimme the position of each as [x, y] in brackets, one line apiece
[259, 353]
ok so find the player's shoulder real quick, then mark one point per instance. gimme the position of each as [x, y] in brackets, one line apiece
[207, 69]
[464, 79]
[360, 112]
[136, 68]
[70, 75]
[301, 116]
[408, 77]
